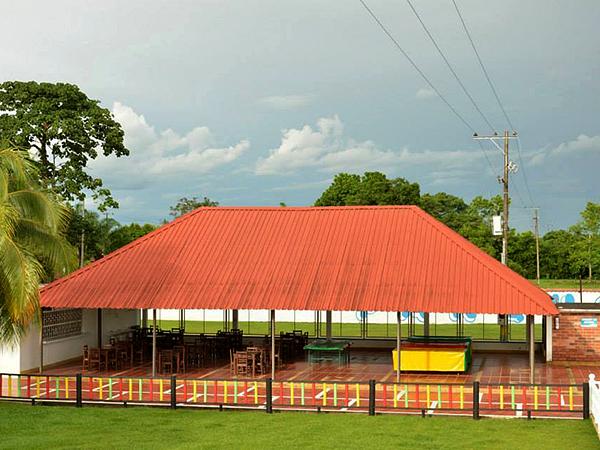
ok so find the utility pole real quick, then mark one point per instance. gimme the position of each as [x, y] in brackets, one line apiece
[505, 202]
[81, 249]
[536, 230]
[508, 168]
[82, 238]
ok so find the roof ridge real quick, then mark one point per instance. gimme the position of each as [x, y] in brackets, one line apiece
[483, 257]
[187, 216]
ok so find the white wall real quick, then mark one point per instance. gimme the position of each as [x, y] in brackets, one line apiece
[26, 355]
[9, 359]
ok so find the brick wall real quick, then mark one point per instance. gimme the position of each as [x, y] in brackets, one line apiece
[571, 342]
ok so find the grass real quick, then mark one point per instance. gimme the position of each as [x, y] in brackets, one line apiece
[24, 426]
[568, 284]
[490, 331]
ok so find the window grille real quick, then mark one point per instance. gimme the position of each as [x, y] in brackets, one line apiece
[60, 323]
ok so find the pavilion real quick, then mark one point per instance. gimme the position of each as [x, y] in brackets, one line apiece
[357, 258]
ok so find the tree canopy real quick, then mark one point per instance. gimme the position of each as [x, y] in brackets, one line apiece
[372, 188]
[563, 253]
[101, 235]
[32, 244]
[65, 130]
[185, 205]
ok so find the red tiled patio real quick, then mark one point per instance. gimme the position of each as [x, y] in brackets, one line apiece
[487, 368]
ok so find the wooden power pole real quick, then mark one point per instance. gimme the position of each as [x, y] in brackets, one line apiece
[536, 230]
[505, 202]
[508, 168]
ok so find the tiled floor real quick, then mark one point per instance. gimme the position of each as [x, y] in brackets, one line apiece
[502, 368]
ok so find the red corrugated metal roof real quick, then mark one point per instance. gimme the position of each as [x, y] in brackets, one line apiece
[363, 258]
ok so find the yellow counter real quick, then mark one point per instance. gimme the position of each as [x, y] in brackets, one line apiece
[431, 360]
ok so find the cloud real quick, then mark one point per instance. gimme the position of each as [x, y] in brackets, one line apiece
[581, 145]
[425, 93]
[286, 102]
[327, 150]
[162, 155]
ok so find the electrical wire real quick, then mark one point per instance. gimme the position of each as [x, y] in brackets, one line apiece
[450, 67]
[420, 72]
[416, 67]
[495, 92]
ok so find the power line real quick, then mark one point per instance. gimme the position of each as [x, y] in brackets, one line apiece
[461, 84]
[485, 72]
[495, 92]
[523, 171]
[427, 80]
[492, 166]
[416, 67]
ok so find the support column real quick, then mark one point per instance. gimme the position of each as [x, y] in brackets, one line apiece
[549, 326]
[235, 319]
[398, 339]
[154, 342]
[42, 341]
[99, 326]
[531, 341]
[181, 319]
[426, 324]
[328, 324]
[144, 318]
[272, 344]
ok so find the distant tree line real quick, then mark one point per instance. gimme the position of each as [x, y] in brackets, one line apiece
[564, 254]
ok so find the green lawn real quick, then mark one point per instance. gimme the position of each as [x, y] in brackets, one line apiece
[490, 331]
[24, 426]
[568, 284]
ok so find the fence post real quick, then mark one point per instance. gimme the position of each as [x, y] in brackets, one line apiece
[476, 400]
[586, 400]
[372, 390]
[78, 391]
[173, 391]
[269, 394]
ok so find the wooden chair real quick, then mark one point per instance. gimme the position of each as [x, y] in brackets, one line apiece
[124, 354]
[95, 358]
[86, 358]
[166, 361]
[112, 358]
[179, 354]
[232, 361]
[242, 363]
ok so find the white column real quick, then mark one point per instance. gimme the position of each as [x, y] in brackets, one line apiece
[398, 338]
[549, 326]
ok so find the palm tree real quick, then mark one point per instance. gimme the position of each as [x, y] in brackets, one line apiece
[32, 246]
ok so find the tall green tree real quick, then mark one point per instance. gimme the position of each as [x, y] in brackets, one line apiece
[586, 251]
[372, 188]
[447, 208]
[32, 245]
[65, 130]
[185, 205]
[125, 234]
[555, 250]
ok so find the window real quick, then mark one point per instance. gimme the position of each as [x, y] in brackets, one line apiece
[60, 323]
